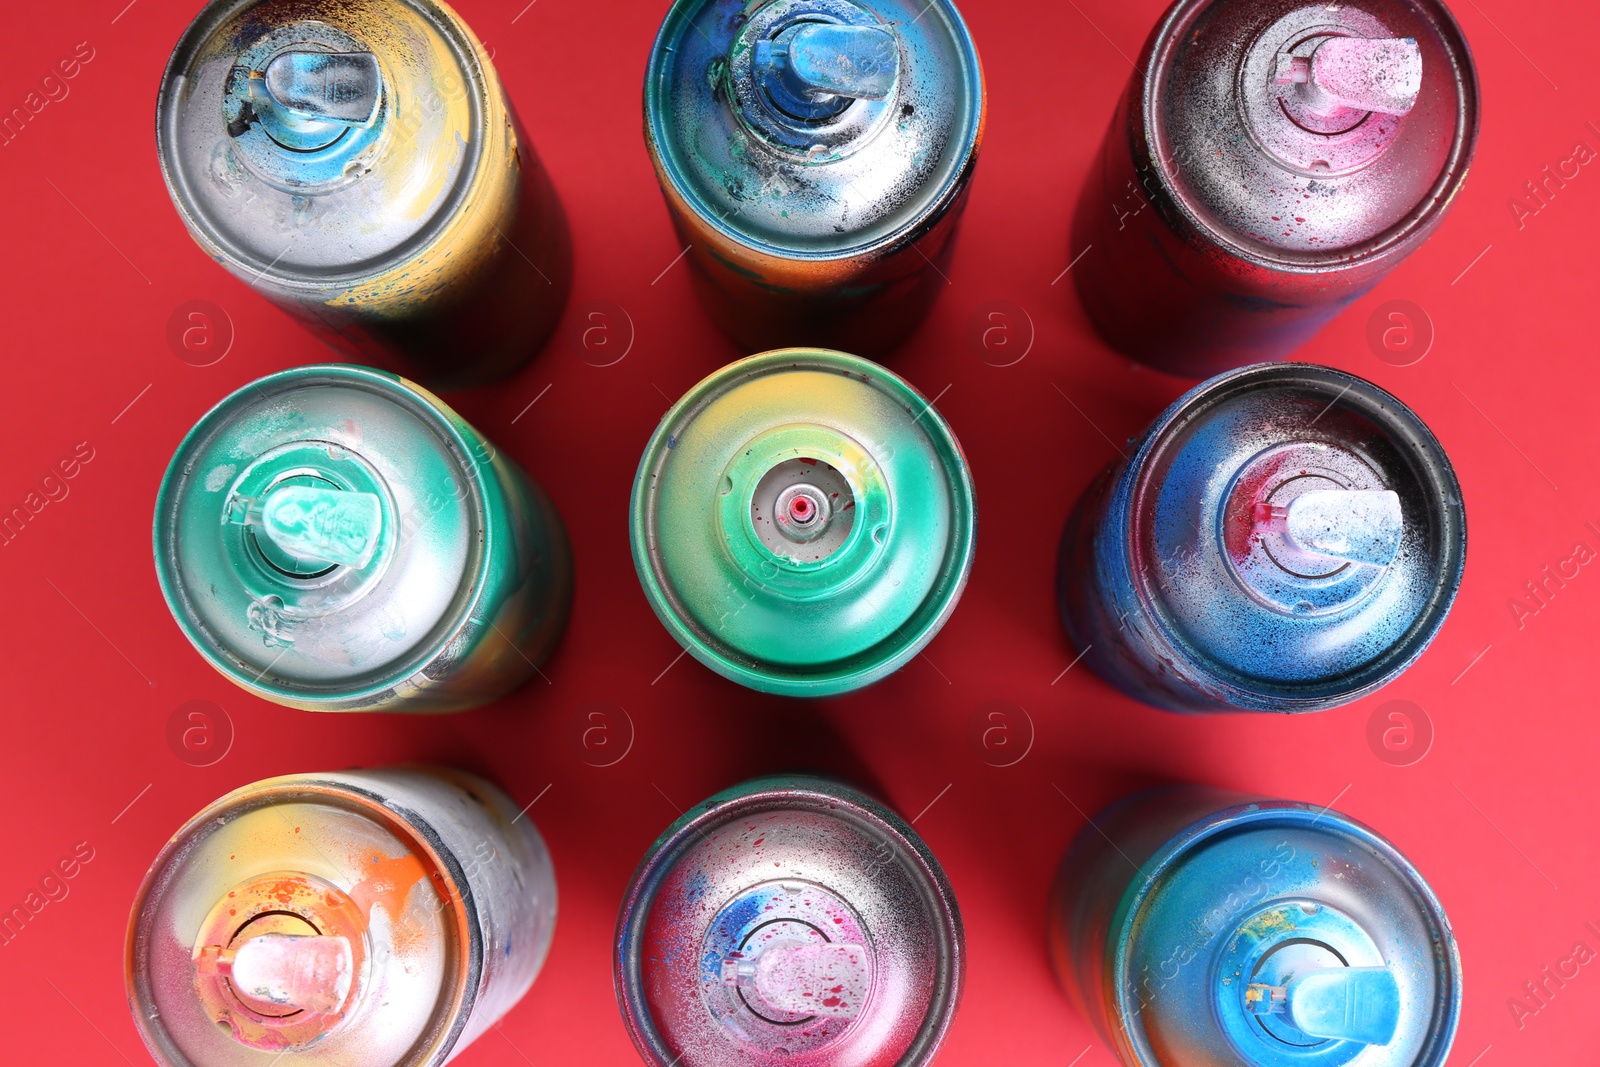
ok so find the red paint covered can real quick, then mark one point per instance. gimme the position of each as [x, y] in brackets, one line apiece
[1269, 163]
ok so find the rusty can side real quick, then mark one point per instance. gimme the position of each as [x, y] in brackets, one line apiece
[420, 226]
[823, 220]
[379, 918]
[1217, 229]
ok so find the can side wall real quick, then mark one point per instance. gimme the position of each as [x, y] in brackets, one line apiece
[1106, 864]
[521, 609]
[513, 884]
[1164, 293]
[501, 869]
[485, 320]
[1102, 613]
[868, 304]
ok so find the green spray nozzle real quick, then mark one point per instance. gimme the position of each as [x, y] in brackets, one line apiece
[314, 524]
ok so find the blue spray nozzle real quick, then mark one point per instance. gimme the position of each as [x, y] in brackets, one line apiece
[813, 70]
[1341, 1003]
[342, 87]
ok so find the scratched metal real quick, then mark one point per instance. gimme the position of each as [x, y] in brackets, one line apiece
[1176, 900]
[1221, 224]
[446, 896]
[430, 232]
[820, 230]
[1173, 595]
[822, 862]
[466, 592]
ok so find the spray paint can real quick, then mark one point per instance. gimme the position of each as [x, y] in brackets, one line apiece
[358, 164]
[1285, 537]
[803, 522]
[788, 920]
[1198, 926]
[1270, 162]
[815, 156]
[362, 918]
[335, 538]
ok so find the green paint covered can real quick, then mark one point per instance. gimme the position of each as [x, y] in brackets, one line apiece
[803, 522]
[335, 538]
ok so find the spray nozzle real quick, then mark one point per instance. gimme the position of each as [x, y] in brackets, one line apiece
[1343, 1003]
[804, 977]
[309, 973]
[314, 524]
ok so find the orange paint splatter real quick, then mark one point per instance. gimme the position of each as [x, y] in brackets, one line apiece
[389, 883]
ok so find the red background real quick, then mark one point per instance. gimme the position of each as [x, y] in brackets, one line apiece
[1499, 815]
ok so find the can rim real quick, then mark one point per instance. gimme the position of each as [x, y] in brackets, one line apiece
[804, 792]
[1133, 490]
[954, 186]
[467, 966]
[430, 410]
[728, 662]
[480, 75]
[1241, 809]
[1167, 37]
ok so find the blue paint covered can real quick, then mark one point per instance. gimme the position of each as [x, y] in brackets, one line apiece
[1284, 537]
[815, 156]
[1197, 926]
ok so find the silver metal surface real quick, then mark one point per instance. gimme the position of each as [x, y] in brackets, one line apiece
[292, 220]
[1358, 150]
[834, 179]
[770, 894]
[354, 919]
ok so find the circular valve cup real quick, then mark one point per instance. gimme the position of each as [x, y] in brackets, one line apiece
[1283, 538]
[335, 538]
[788, 920]
[803, 522]
[1195, 926]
